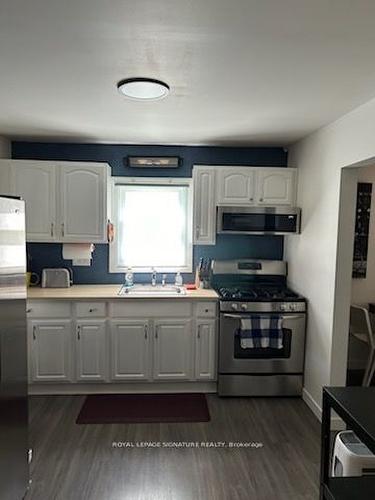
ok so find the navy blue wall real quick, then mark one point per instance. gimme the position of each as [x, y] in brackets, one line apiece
[233, 246]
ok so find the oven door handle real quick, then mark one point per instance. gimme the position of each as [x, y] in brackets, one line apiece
[283, 317]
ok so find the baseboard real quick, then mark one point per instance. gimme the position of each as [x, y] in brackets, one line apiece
[336, 423]
[75, 389]
[312, 404]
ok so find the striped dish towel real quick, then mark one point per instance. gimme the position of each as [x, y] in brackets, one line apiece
[261, 332]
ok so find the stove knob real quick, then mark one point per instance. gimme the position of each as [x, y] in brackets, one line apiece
[292, 307]
[244, 307]
[234, 306]
[283, 307]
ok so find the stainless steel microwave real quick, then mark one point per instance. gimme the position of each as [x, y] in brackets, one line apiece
[258, 220]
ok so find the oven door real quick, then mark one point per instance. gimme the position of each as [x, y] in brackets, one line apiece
[234, 359]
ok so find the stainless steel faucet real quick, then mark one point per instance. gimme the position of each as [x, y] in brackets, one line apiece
[153, 277]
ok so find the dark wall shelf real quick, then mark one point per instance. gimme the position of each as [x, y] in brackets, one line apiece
[362, 224]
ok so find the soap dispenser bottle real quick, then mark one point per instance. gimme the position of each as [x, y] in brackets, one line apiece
[153, 277]
[178, 279]
[129, 277]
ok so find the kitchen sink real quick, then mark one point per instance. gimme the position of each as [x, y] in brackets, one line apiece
[152, 291]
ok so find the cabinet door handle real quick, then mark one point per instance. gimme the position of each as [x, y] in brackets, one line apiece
[146, 332]
[199, 332]
[52, 228]
[34, 334]
[28, 310]
[251, 199]
[260, 199]
[79, 332]
[62, 229]
[93, 309]
[197, 231]
[157, 332]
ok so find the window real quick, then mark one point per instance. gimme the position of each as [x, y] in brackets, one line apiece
[153, 223]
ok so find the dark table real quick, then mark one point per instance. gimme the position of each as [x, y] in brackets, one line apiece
[356, 406]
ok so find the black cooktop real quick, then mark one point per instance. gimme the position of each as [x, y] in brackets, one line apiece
[258, 293]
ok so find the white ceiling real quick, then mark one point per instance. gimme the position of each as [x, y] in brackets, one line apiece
[240, 71]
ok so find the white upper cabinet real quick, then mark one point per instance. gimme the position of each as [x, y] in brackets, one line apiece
[5, 177]
[256, 186]
[276, 186]
[235, 185]
[204, 206]
[65, 201]
[83, 203]
[36, 184]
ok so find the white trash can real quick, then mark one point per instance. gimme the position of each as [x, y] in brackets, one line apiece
[351, 457]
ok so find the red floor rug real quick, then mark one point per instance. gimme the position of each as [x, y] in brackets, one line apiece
[143, 408]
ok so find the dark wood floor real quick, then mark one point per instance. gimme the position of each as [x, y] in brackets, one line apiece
[78, 462]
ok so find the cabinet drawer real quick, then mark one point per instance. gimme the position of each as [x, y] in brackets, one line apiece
[90, 309]
[130, 308]
[48, 309]
[206, 309]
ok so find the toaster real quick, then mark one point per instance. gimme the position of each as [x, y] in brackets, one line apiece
[56, 278]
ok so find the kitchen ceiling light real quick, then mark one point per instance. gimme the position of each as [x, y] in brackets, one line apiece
[143, 88]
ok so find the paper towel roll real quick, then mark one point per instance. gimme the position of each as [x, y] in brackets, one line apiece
[79, 253]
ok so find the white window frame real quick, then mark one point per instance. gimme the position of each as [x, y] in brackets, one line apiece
[152, 181]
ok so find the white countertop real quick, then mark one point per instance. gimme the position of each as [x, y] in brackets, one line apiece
[110, 292]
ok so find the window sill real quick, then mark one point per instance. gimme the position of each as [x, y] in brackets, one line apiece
[149, 270]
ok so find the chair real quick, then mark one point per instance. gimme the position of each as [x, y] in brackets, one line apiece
[360, 327]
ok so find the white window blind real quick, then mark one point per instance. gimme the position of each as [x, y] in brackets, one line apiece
[153, 228]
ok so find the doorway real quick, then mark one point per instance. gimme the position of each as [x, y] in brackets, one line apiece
[355, 272]
[363, 281]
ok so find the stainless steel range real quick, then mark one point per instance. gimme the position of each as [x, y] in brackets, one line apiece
[257, 289]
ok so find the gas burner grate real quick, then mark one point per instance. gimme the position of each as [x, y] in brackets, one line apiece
[256, 293]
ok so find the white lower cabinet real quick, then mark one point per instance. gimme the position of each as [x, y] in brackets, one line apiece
[130, 350]
[205, 349]
[176, 342]
[91, 350]
[51, 350]
[173, 349]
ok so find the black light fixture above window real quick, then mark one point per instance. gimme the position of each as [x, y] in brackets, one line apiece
[144, 89]
[152, 161]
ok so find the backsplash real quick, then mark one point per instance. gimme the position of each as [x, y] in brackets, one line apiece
[227, 246]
